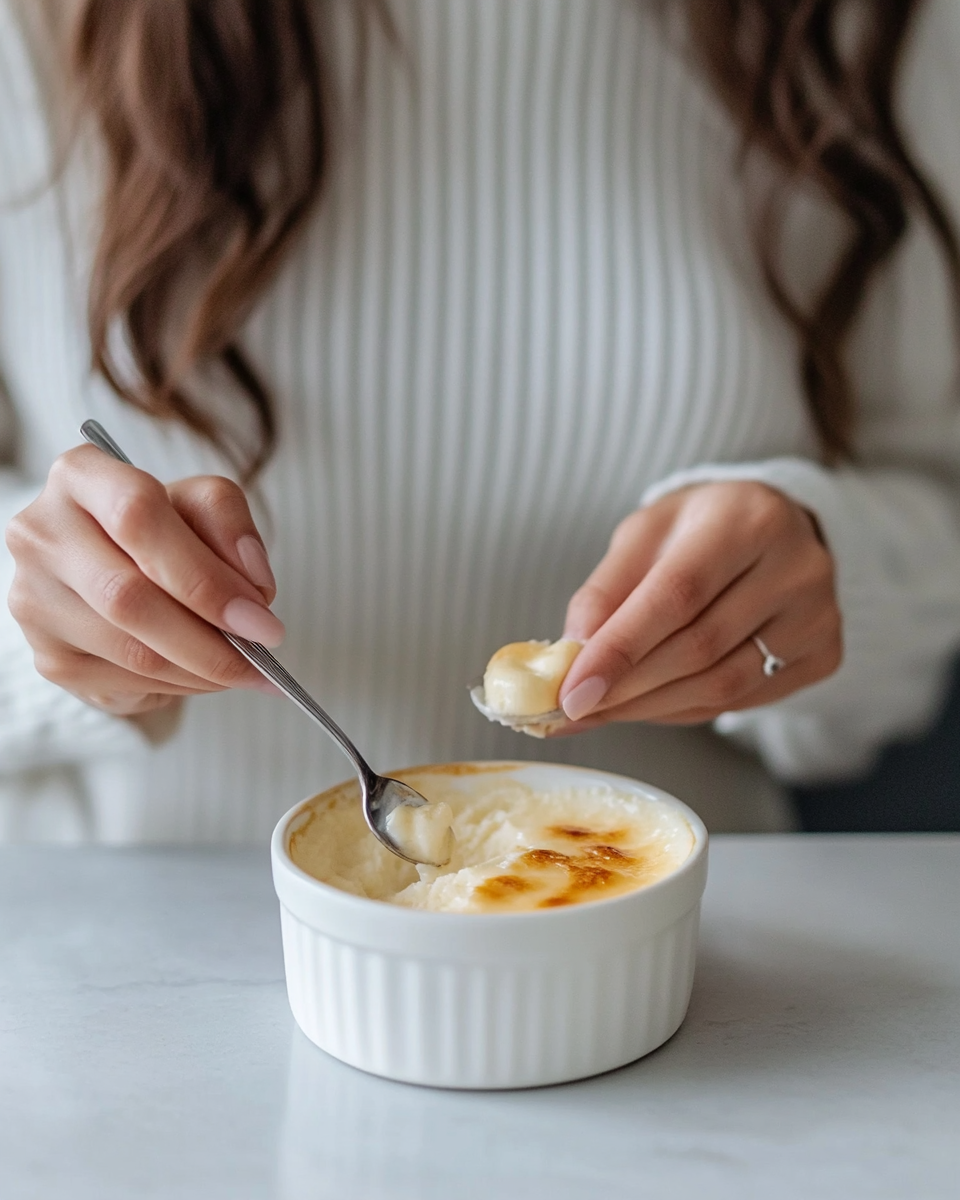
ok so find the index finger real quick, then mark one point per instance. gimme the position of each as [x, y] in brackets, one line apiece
[697, 564]
[135, 511]
[632, 551]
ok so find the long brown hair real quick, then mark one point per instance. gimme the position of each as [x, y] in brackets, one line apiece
[212, 114]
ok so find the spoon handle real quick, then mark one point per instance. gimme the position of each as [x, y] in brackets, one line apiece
[260, 657]
[95, 433]
[255, 654]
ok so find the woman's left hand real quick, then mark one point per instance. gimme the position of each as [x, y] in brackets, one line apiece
[669, 614]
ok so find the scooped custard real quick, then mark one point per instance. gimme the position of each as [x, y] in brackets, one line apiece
[423, 833]
[518, 849]
[523, 679]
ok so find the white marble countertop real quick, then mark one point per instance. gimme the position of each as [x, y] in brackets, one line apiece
[146, 1047]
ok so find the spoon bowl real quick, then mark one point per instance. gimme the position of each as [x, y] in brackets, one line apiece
[538, 725]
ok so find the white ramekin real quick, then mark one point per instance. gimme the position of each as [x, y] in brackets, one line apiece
[476, 1000]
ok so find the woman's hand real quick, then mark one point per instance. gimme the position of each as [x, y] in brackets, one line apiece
[669, 614]
[120, 581]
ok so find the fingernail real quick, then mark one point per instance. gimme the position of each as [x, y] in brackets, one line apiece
[585, 697]
[254, 622]
[255, 562]
[268, 688]
[260, 685]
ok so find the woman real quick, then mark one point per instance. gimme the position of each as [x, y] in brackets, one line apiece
[455, 286]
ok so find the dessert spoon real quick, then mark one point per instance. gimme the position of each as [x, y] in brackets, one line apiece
[381, 794]
[538, 725]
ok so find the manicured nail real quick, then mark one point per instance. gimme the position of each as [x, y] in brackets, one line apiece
[585, 697]
[253, 622]
[255, 562]
[575, 634]
[268, 688]
[260, 685]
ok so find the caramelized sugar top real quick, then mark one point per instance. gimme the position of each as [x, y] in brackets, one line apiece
[519, 848]
[574, 864]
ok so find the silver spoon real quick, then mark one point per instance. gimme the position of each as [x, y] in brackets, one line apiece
[538, 725]
[381, 795]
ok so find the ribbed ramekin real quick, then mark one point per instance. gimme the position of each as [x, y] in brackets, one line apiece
[476, 1000]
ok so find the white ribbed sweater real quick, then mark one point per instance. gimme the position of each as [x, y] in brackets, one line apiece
[525, 302]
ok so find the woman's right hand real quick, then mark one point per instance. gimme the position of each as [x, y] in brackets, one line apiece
[121, 584]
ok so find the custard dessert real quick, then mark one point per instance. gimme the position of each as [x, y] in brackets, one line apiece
[517, 848]
[521, 685]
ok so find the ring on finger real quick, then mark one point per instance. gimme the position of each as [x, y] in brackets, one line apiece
[772, 663]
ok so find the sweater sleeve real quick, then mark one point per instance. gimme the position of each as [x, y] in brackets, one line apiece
[40, 724]
[892, 521]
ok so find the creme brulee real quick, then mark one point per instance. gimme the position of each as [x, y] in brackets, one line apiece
[517, 849]
[524, 679]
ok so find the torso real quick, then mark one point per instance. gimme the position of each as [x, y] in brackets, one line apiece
[524, 299]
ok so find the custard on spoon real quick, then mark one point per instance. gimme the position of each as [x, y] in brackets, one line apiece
[521, 685]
